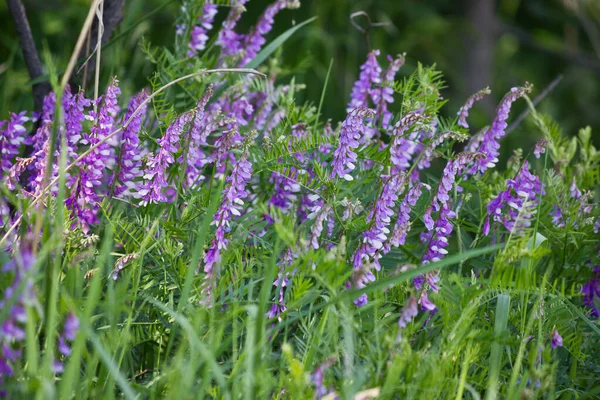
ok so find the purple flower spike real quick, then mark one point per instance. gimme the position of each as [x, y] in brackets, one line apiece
[229, 40]
[196, 139]
[129, 159]
[590, 290]
[370, 75]
[344, 158]
[402, 148]
[152, 190]
[385, 95]
[11, 139]
[409, 311]
[255, 40]
[463, 113]
[490, 144]
[230, 206]
[398, 236]
[199, 32]
[557, 340]
[521, 197]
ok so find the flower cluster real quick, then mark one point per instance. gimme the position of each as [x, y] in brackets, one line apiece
[521, 196]
[591, 290]
[344, 158]
[463, 113]
[199, 32]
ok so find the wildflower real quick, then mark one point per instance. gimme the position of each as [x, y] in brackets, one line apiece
[521, 196]
[574, 190]
[199, 32]
[21, 164]
[230, 206]
[557, 217]
[452, 169]
[285, 187]
[74, 107]
[409, 311]
[343, 157]
[254, 41]
[320, 214]
[557, 340]
[540, 148]
[385, 95]
[230, 41]
[201, 125]
[590, 290]
[155, 176]
[129, 159]
[463, 113]
[436, 249]
[318, 376]
[490, 143]
[46, 118]
[402, 149]
[11, 139]
[370, 75]
[402, 226]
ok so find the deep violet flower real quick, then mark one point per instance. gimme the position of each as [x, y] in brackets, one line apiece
[344, 158]
[490, 144]
[463, 113]
[254, 41]
[591, 290]
[230, 206]
[155, 177]
[370, 75]
[198, 35]
[129, 158]
[521, 196]
[557, 340]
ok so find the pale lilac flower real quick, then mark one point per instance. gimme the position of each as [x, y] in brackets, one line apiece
[409, 311]
[370, 75]
[199, 32]
[320, 214]
[490, 144]
[344, 158]
[540, 148]
[557, 340]
[463, 113]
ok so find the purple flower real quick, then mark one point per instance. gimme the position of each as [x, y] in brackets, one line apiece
[463, 113]
[129, 159]
[70, 329]
[46, 118]
[152, 190]
[230, 41]
[453, 168]
[402, 148]
[285, 187]
[521, 197]
[230, 206]
[320, 213]
[574, 190]
[11, 139]
[540, 148]
[318, 376]
[557, 217]
[409, 311]
[385, 95]
[370, 75]
[398, 236]
[200, 128]
[255, 39]
[490, 145]
[436, 248]
[199, 32]
[12, 178]
[557, 340]
[344, 158]
[590, 290]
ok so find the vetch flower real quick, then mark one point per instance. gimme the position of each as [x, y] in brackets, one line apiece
[540, 148]
[403, 148]
[490, 144]
[409, 311]
[344, 158]
[199, 32]
[591, 290]
[402, 226]
[230, 41]
[557, 340]
[362, 90]
[463, 113]
[385, 95]
[11, 139]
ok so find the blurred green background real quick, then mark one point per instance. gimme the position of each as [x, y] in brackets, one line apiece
[476, 43]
